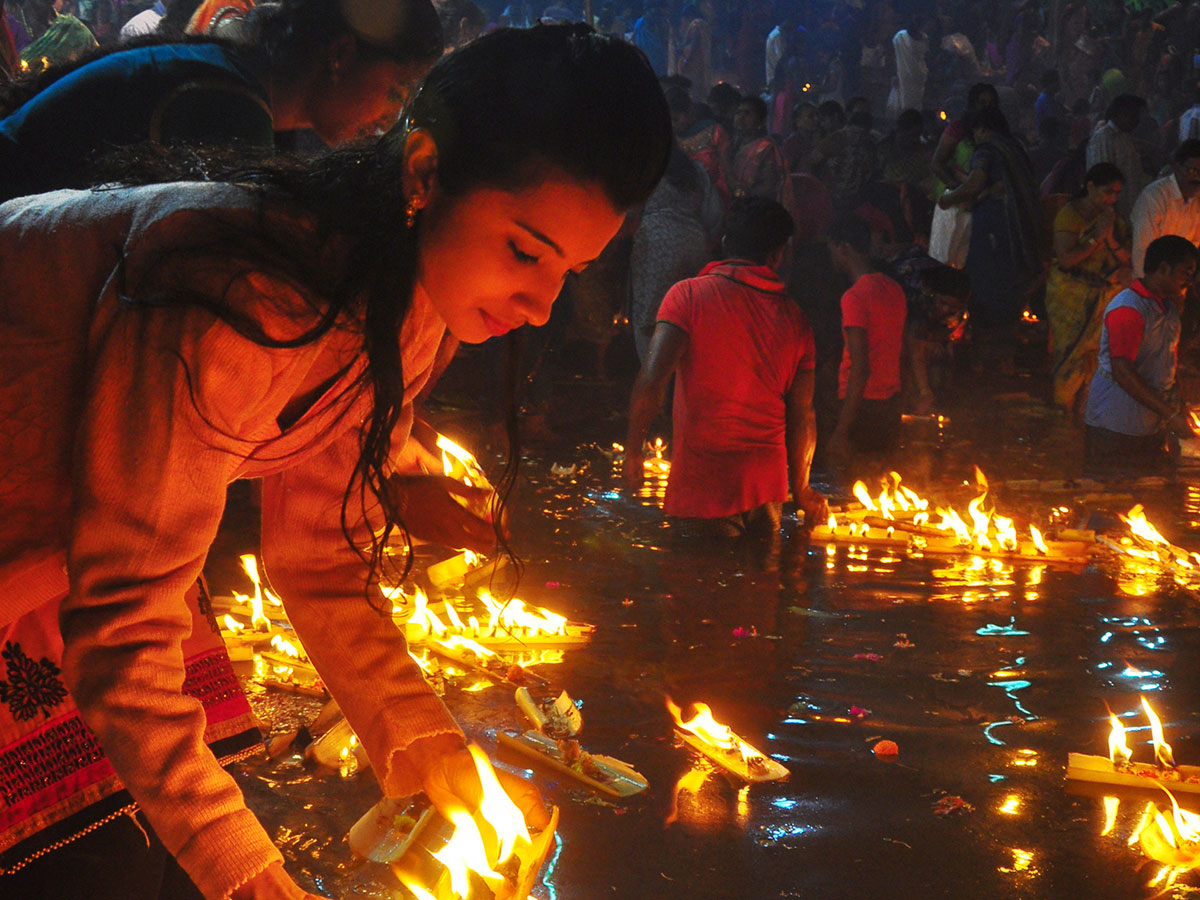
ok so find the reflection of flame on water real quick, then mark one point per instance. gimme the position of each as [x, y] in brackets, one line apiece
[1111, 806]
[689, 782]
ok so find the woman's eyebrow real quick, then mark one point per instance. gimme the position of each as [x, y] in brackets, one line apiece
[541, 237]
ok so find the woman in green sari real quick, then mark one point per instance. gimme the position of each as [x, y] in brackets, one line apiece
[1091, 263]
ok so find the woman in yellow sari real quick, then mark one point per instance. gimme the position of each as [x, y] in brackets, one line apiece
[1091, 263]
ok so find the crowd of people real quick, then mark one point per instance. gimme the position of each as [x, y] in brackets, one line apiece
[817, 217]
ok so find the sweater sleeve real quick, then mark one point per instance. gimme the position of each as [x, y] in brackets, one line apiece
[172, 397]
[361, 654]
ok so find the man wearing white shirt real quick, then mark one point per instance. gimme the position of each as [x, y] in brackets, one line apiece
[912, 70]
[777, 41]
[1170, 205]
[1189, 121]
[145, 22]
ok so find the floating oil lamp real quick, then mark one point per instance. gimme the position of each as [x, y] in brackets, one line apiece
[551, 742]
[1119, 768]
[1148, 552]
[490, 854]
[250, 628]
[721, 745]
[498, 626]
[900, 518]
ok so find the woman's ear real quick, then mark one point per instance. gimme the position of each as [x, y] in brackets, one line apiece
[420, 167]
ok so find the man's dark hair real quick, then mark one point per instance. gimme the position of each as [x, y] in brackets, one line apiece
[909, 120]
[1125, 104]
[1187, 150]
[1168, 250]
[758, 104]
[861, 119]
[756, 227]
[853, 230]
[830, 108]
[723, 94]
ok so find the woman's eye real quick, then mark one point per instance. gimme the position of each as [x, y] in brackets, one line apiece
[521, 255]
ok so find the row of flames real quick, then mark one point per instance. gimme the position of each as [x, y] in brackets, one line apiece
[897, 502]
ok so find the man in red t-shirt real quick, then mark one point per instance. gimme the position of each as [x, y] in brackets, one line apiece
[873, 312]
[743, 356]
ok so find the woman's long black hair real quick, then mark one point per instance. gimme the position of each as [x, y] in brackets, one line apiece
[505, 111]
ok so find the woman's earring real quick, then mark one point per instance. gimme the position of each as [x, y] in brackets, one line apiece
[410, 214]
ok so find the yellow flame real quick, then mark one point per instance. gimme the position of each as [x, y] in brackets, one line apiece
[1118, 750]
[1036, 535]
[284, 646]
[497, 809]
[471, 559]
[232, 624]
[1139, 525]
[457, 641]
[515, 615]
[1111, 806]
[1006, 533]
[981, 480]
[832, 523]
[464, 851]
[1162, 750]
[704, 726]
[864, 496]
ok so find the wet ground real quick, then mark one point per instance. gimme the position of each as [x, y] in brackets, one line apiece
[1002, 669]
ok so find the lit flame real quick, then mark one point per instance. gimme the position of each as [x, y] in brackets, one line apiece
[497, 809]
[284, 646]
[257, 619]
[1037, 538]
[451, 452]
[465, 851]
[457, 641]
[1138, 524]
[423, 617]
[468, 849]
[832, 523]
[952, 521]
[1118, 750]
[1162, 750]
[864, 496]
[1006, 534]
[515, 615]
[232, 624]
[704, 726]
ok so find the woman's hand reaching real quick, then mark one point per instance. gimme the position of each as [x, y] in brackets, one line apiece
[272, 883]
[431, 512]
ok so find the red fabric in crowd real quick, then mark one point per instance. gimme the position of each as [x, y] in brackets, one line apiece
[1125, 327]
[747, 339]
[875, 303]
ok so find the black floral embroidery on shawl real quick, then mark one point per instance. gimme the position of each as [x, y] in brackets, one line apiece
[32, 687]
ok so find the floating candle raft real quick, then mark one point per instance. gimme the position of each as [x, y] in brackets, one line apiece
[1118, 768]
[901, 519]
[721, 745]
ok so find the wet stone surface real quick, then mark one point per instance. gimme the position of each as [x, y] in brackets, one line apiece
[1009, 667]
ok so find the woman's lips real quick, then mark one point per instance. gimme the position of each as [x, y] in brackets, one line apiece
[496, 326]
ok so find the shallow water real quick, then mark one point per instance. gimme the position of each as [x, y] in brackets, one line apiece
[1010, 667]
